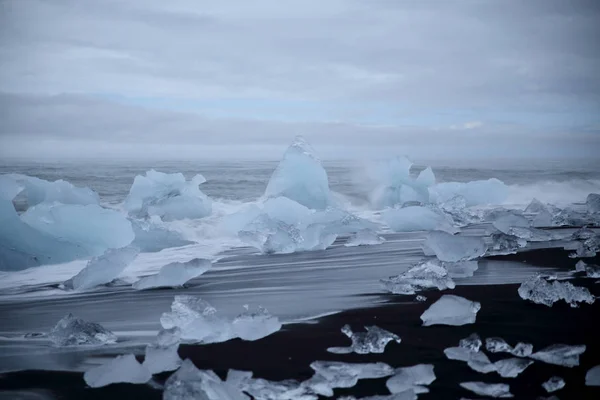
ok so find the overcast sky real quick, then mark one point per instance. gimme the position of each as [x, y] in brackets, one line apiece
[192, 78]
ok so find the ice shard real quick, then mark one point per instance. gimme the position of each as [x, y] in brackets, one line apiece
[451, 310]
[476, 360]
[162, 355]
[592, 377]
[168, 196]
[345, 375]
[374, 340]
[417, 218]
[364, 237]
[447, 247]
[413, 378]
[422, 276]
[508, 221]
[495, 390]
[502, 244]
[104, 269]
[73, 331]
[462, 269]
[540, 291]
[511, 367]
[499, 345]
[472, 342]
[301, 177]
[553, 384]
[560, 354]
[122, 369]
[174, 274]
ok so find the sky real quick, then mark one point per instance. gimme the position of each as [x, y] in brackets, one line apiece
[239, 79]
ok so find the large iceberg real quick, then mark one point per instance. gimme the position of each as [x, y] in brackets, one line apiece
[396, 187]
[39, 191]
[560, 354]
[169, 196]
[122, 369]
[199, 322]
[301, 177]
[417, 218]
[422, 276]
[496, 390]
[374, 340]
[491, 191]
[540, 291]
[451, 310]
[451, 248]
[103, 269]
[174, 274]
[72, 331]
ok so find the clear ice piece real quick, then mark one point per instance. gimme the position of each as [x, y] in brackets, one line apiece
[502, 244]
[472, 342]
[122, 369]
[422, 276]
[508, 221]
[540, 291]
[511, 367]
[174, 274]
[495, 390]
[162, 355]
[417, 218]
[560, 354]
[364, 237]
[447, 247]
[72, 331]
[451, 310]
[346, 375]
[414, 378]
[476, 360]
[553, 384]
[104, 269]
[374, 340]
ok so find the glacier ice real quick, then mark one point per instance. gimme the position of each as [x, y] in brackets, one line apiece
[396, 187]
[41, 191]
[462, 269]
[495, 390]
[122, 369]
[417, 218]
[411, 378]
[447, 247]
[540, 291]
[499, 345]
[592, 377]
[560, 354]
[151, 237]
[503, 244]
[588, 247]
[73, 331]
[422, 276]
[364, 237]
[301, 177]
[591, 271]
[199, 322]
[344, 375]
[174, 274]
[374, 340]
[162, 355]
[593, 203]
[471, 342]
[168, 196]
[583, 234]
[451, 310]
[103, 269]
[188, 382]
[505, 223]
[543, 215]
[476, 360]
[553, 384]
[580, 266]
[491, 191]
[511, 367]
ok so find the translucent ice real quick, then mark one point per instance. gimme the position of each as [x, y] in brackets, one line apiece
[162, 355]
[495, 390]
[72, 331]
[462, 269]
[591, 271]
[451, 310]
[169, 196]
[188, 382]
[535, 207]
[416, 218]
[345, 375]
[122, 369]
[593, 203]
[540, 291]
[151, 237]
[580, 266]
[374, 340]
[592, 377]
[560, 354]
[502, 244]
[472, 342]
[511, 367]
[498, 345]
[476, 360]
[506, 222]
[553, 384]
[447, 247]
[301, 177]
[364, 237]
[199, 322]
[583, 234]
[395, 186]
[42, 191]
[411, 378]
[263, 389]
[174, 274]
[105, 268]
[491, 191]
[424, 275]
[588, 247]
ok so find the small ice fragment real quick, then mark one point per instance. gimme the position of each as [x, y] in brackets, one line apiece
[497, 345]
[583, 234]
[188, 382]
[495, 390]
[463, 269]
[538, 290]
[580, 266]
[345, 375]
[122, 369]
[72, 331]
[417, 218]
[511, 367]
[374, 340]
[174, 274]
[105, 268]
[522, 349]
[592, 271]
[506, 222]
[162, 355]
[553, 384]
[560, 354]
[451, 310]
[411, 378]
[421, 298]
[255, 325]
[592, 377]
[472, 342]
[593, 203]
[447, 247]
[364, 237]
[588, 248]
[476, 360]
[419, 277]
[502, 244]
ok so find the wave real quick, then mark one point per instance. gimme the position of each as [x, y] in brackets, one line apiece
[559, 193]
